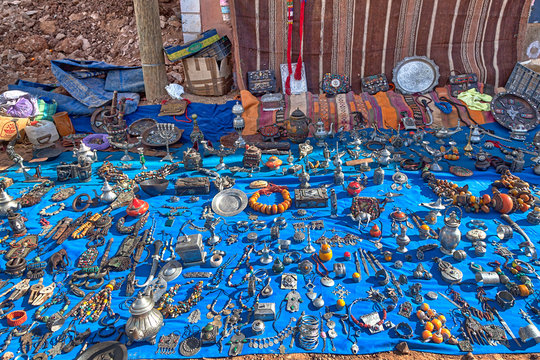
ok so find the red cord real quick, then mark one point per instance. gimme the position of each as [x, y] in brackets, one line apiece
[298, 72]
[188, 120]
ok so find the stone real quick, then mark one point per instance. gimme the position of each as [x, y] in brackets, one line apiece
[19, 59]
[48, 26]
[69, 45]
[534, 357]
[468, 356]
[76, 17]
[85, 44]
[402, 348]
[31, 44]
[60, 36]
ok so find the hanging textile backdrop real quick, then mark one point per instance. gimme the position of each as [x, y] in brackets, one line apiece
[368, 37]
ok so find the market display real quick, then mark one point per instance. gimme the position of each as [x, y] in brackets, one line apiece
[315, 235]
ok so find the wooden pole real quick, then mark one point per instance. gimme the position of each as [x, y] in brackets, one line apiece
[151, 48]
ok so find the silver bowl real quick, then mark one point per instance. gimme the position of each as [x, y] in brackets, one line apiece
[154, 187]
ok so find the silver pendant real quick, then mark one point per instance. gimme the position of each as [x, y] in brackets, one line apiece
[326, 281]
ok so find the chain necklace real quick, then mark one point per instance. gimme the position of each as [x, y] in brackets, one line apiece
[245, 258]
[218, 276]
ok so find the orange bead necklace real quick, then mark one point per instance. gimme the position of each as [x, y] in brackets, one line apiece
[271, 209]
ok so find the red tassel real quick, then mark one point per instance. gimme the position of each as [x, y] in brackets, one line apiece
[298, 72]
[289, 46]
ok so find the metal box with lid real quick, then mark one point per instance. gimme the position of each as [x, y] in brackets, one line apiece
[265, 312]
[192, 186]
[310, 198]
[190, 248]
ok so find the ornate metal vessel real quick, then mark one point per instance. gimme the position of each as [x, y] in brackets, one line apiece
[145, 321]
[298, 127]
[450, 235]
[7, 203]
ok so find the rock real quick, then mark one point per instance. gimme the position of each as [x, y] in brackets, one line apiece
[31, 44]
[19, 59]
[60, 36]
[468, 356]
[534, 357]
[48, 26]
[69, 45]
[402, 348]
[76, 17]
[85, 44]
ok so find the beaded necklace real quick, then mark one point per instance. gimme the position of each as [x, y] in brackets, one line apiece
[362, 325]
[525, 289]
[165, 303]
[93, 308]
[245, 307]
[218, 276]
[61, 297]
[245, 258]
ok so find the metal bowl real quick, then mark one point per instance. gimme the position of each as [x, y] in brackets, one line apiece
[154, 187]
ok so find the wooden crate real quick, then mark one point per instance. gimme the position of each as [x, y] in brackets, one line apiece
[208, 76]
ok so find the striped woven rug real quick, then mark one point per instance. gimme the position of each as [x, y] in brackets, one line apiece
[366, 37]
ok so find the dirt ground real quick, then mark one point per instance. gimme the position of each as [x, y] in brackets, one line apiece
[414, 355]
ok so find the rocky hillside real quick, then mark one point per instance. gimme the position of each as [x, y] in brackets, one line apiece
[34, 32]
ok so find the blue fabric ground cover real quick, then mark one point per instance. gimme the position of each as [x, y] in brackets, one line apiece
[383, 341]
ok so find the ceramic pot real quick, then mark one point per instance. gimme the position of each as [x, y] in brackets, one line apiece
[298, 127]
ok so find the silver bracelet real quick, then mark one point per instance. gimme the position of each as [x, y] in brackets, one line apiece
[43, 212]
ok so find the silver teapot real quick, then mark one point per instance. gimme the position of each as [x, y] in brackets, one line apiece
[84, 151]
[320, 133]
[450, 235]
[7, 203]
[384, 157]
[107, 193]
[145, 321]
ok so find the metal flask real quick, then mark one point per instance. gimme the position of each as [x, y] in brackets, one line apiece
[450, 235]
[378, 176]
[145, 321]
[7, 203]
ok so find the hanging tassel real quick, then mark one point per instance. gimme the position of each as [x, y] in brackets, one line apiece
[289, 46]
[298, 72]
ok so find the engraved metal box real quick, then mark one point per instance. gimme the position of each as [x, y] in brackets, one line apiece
[311, 198]
[191, 249]
[265, 312]
[192, 186]
[252, 156]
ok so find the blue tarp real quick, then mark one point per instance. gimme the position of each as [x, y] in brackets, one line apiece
[214, 120]
[91, 84]
[480, 184]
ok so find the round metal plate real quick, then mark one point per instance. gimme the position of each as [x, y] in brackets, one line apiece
[140, 126]
[105, 350]
[97, 120]
[510, 109]
[170, 271]
[229, 202]
[151, 137]
[416, 74]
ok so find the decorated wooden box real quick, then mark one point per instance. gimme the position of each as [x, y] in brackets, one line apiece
[311, 198]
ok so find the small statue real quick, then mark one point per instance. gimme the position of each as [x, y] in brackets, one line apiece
[142, 160]
[305, 149]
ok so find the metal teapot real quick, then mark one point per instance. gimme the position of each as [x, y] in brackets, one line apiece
[298, 127]
[84, 151]
[320, 133]
[107, 193]
[145, 321]
[7, 203]
[450, 235]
